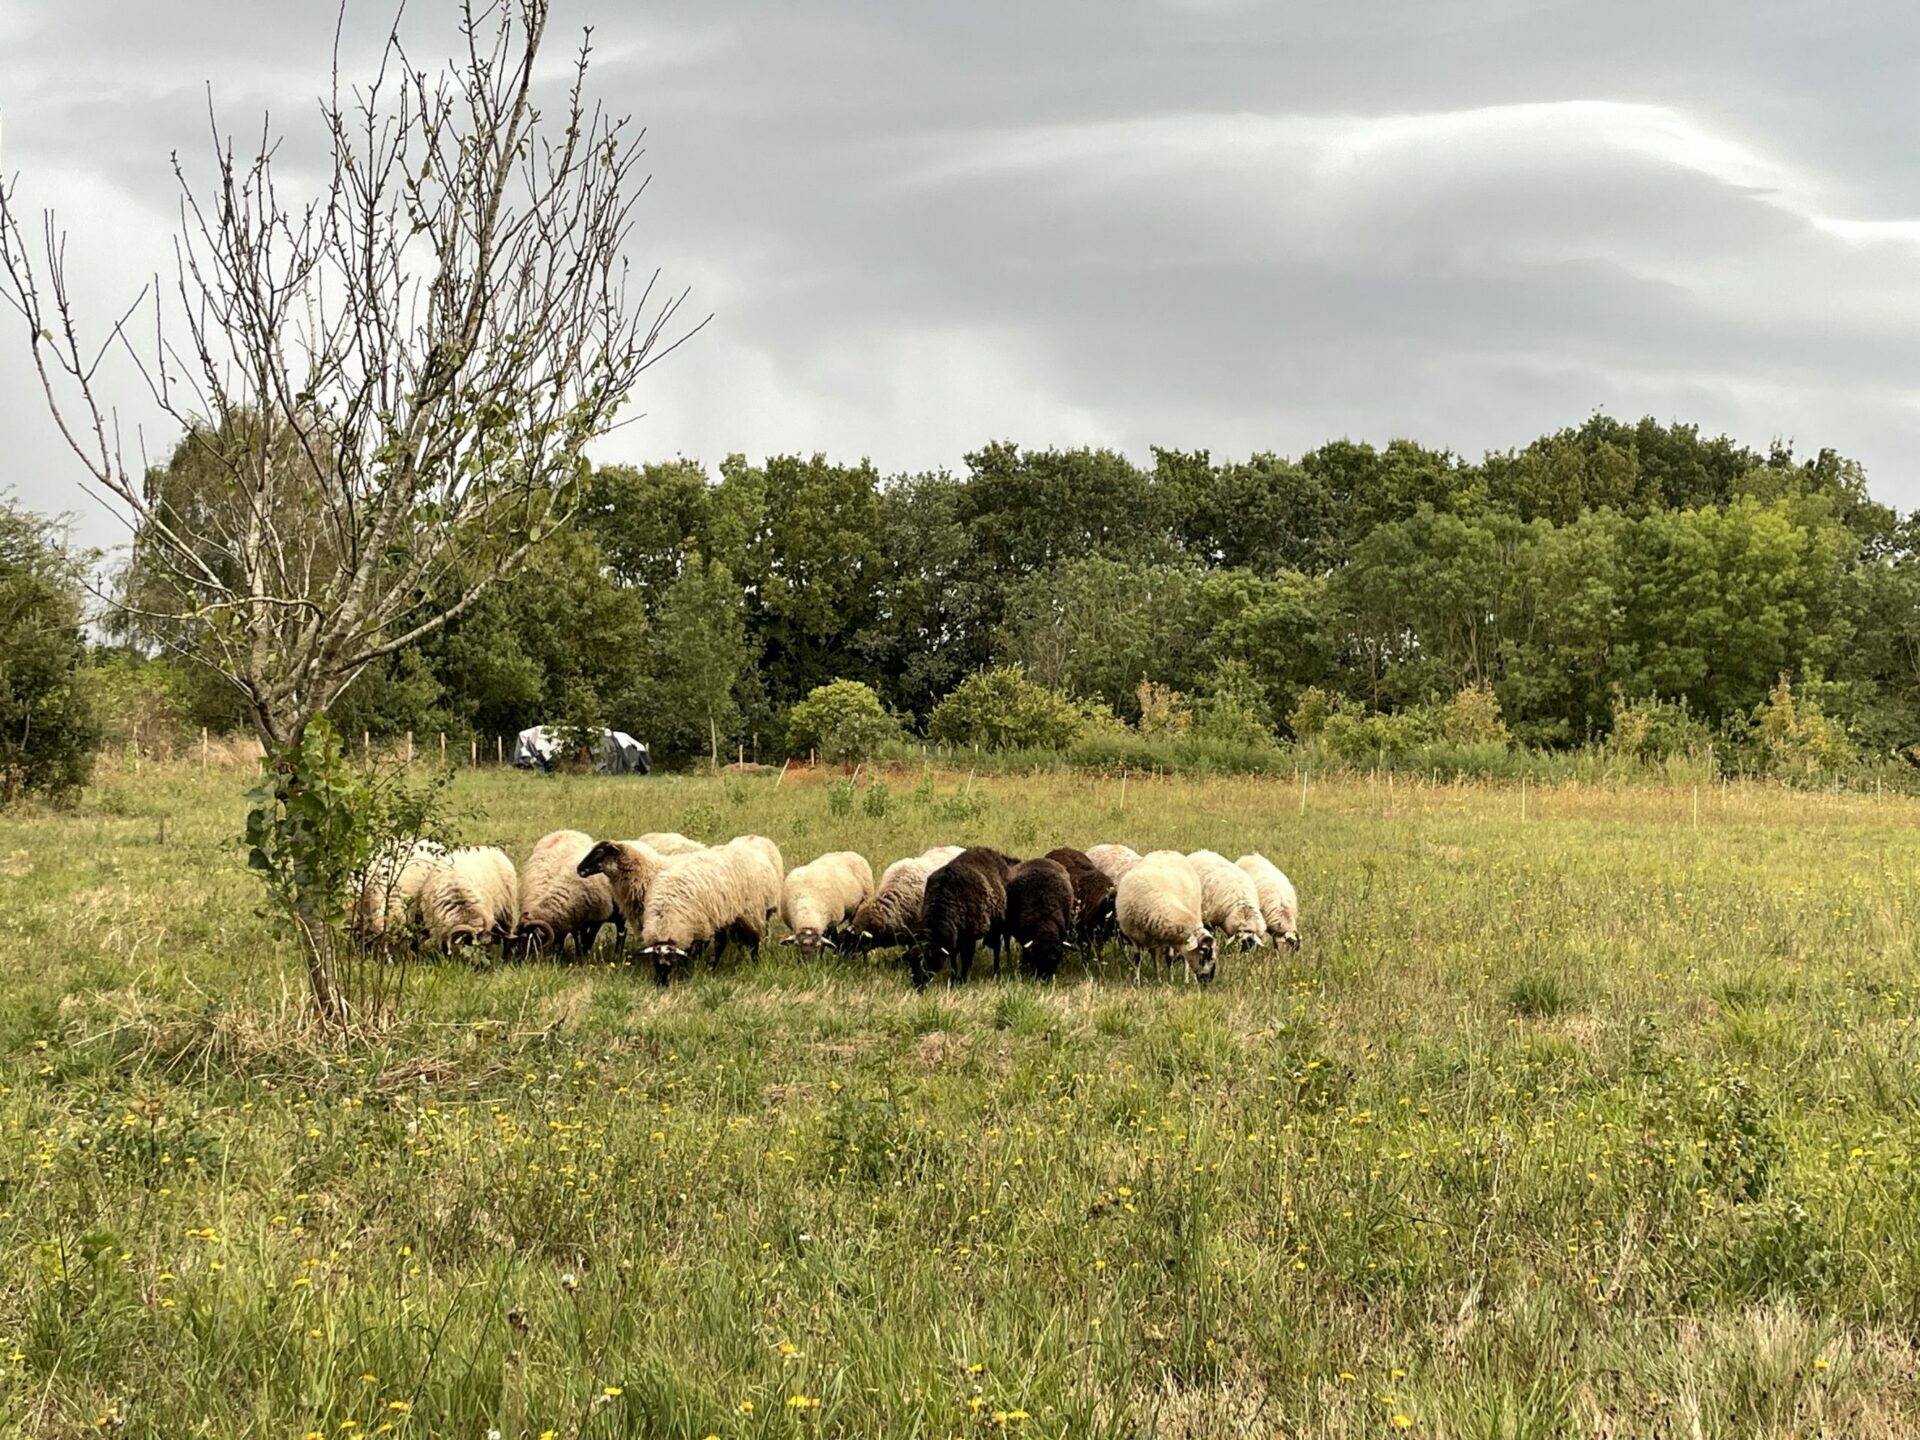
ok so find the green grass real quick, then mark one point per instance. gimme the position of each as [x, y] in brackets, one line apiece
[1594, 1123]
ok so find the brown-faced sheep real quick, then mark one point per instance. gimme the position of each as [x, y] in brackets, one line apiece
[1040, 913]
[1228, 901]
[629, 867]
[1279, 905]
[966, 903]
[894, 913]
[1158, 907]
[818, 897]
[719, 897]
[557, 902]
[1092, 896]
[473, 899]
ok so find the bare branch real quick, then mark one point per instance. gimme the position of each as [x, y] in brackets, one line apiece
[386, 388]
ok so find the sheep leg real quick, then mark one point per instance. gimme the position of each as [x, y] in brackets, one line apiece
[917, 965]
[963, 961]
[619, 934]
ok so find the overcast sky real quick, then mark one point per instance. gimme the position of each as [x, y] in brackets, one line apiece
[1197, 223]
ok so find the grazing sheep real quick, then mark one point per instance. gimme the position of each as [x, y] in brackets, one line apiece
[770, 856]
[1158, 907]
[894, 913]
[1040, 913]
[966, 903]
[557, 901]
[472, 899]
[818, 898]
[390, 894]
[670, 842]
[1278, 904]
[1114, 861]
[1228, 901]
[719, 897]
[629, 867]
[1092, 895]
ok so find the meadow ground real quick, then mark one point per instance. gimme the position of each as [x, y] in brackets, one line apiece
[1599, 1121]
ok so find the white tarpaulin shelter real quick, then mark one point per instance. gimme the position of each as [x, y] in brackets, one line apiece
[614, 751]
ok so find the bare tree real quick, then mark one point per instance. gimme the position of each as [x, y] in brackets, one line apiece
[393, 380]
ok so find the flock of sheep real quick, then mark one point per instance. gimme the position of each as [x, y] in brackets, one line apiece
[691, 899]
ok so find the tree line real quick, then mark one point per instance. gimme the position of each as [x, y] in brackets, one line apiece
[1608, 583]
[1605, 564]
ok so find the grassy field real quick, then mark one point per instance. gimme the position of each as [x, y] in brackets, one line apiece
[1595, 1119]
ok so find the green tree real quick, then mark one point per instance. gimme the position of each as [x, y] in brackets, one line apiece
[1001, 709]
[697, 655]
[813, 571]
[649, 520]
[49, 726]
[844, 721]
[1720, 602]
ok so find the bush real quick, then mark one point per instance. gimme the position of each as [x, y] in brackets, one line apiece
[1473, 717]
[1657, 730]
[1795, 737]
[1163, 710]
[1232, 708]
[1353, 735]
[1310, 713]
[49, 724]
[1000, 709]
[844, 721]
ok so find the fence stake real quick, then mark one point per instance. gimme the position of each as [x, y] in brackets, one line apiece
[783, 771]
[743, 754]
[366, 745]
[1303, 790]
[1523, 798]
[1696, 807]
[203, 750]
[473, 752]
[499, 750]
[443, 749]
[409, 747]
[1123, 790]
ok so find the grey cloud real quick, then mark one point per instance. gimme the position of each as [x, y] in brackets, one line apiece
[921, 227]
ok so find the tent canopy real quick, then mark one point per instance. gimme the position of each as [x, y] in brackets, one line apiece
[614, 751]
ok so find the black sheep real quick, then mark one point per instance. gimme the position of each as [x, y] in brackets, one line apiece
[966, 903]
[1092, 895]
[1040, 911]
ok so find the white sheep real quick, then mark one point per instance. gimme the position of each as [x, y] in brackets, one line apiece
[670, 842]
[556, 901]
[818, 898]
[472, 899]
[390, 892]
[1228, 901]
[1279, 905]
[719, 897]
[769, 854]
[1114, 861]
[1158, 908]
[898, 904]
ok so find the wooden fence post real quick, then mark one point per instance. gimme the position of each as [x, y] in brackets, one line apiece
[409, 747]
[203, 749]
[500, 749]
[443, 749]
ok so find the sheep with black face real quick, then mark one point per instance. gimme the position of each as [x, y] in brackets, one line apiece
[1158, 907]
[966, 904]
[720, 897]
[1040, 913]
[819, 897]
